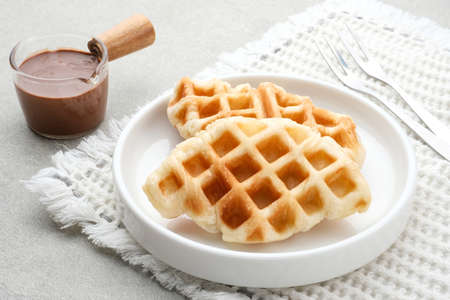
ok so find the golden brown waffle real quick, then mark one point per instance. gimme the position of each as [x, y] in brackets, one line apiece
[257, 180]
[197, 104]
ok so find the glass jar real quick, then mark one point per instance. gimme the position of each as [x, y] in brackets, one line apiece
[59, 104]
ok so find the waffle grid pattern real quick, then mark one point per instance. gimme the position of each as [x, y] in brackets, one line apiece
[198, 103]
[264, 179]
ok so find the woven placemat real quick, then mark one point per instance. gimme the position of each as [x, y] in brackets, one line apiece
[79, 190]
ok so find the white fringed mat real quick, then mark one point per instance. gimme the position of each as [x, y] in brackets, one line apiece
[79, 189]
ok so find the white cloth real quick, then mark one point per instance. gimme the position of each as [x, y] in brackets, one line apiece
[79, 189]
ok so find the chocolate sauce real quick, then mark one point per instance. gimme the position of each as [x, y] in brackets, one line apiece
[58, 100]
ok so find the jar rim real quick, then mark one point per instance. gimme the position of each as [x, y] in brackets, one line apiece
[103, 61]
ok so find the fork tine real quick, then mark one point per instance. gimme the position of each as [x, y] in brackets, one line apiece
[339, 57]
[358, 42]
[328, 61]
[350, 49]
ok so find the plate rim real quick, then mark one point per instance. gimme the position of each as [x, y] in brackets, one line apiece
[405, 196]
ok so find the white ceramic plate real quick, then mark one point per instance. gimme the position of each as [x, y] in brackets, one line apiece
[330, 249]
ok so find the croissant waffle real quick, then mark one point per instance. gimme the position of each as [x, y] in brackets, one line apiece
[197, 104]
[257, 180]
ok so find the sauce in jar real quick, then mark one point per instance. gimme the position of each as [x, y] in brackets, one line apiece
[58, 99]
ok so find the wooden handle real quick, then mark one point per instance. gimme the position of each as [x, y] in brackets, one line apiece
[130, 35]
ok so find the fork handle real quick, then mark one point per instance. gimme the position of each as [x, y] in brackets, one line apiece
[436, 142]
[431, 121]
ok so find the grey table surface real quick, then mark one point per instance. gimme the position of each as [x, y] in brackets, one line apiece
[39, 261]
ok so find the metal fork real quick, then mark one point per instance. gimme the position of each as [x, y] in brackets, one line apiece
[372, 68]
[345, 75]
